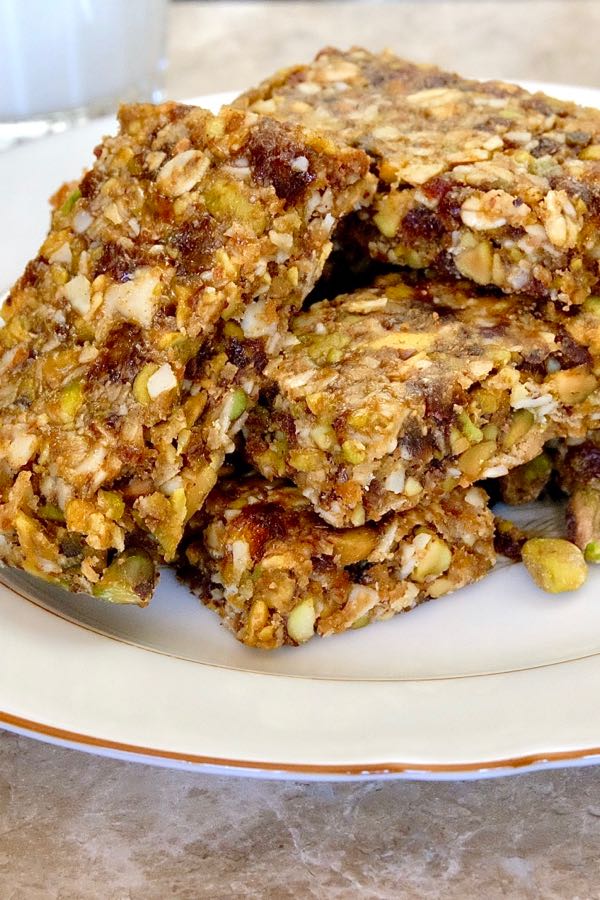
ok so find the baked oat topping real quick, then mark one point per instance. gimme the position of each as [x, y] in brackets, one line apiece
[482, 179]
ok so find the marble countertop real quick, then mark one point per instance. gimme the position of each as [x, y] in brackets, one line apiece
[78, 827]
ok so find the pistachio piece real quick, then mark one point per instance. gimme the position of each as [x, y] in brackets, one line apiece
[111, 504]
[51, 513]
[238, 404]
[435, 560]
[554, 564]
[521, 422]
[304, 460]
[473, 434]
[592, 305]
[592, 552]
[473, 460]
[225, 201]
[486, 401]
[140, 384]
[324, 436]
[353, 545]
[301, 621]
[70, 400]
[130, 578]
[458, 441]
[70, 202]
[412, 487]
[353, 452]
[490, 432]
[573, 385]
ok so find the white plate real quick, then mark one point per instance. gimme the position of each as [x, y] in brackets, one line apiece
[495, 679]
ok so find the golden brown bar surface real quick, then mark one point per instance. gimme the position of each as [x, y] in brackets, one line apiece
[278, 574]
[482, 179]
[410, 388]
[134, 342]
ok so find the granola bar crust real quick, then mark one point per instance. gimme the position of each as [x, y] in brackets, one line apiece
[482, 179]
[401, 391]
[277, 574]
[134, 342]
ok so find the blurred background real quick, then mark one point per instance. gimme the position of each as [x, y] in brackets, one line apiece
[221, 46]
[72, 60]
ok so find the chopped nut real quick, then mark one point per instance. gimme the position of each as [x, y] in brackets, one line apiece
[521, 423]
[472, 461]
[140, 385]
[353, 545]
[473, 434]
[301, 621]
[560, 219]
[238, 404]
[435, 560]
[161, 381]
[353, 452]
[476, 262]
[554, 564]
[592, 552]
[573, 385]
[129, 579]
[182, 173]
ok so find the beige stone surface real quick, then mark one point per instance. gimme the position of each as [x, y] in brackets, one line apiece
[78, 827]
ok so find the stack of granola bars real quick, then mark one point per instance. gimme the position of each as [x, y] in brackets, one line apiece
[175, 391]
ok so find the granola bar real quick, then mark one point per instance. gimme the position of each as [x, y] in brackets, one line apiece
[404, 390]
[277, 574]
[133, 343]
[482, 179]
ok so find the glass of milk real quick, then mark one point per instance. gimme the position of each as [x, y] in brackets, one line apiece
[67, 60]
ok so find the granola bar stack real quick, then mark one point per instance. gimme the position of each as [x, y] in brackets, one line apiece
[167, 322]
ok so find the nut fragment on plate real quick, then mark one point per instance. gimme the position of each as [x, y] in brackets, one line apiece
[556, 565]
[409, 388]
[480, 178]
[135, 340]
[278, 574]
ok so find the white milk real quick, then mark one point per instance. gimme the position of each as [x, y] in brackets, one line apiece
[63, 55]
